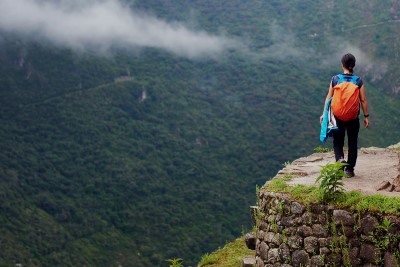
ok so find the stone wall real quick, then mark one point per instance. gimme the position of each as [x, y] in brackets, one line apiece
[292, 234]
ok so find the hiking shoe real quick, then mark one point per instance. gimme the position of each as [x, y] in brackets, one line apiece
[349, 173]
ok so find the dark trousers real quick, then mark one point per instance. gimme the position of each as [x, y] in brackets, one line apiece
[352, 127]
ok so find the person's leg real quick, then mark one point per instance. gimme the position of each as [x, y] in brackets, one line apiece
[338, 140]
[353, 127]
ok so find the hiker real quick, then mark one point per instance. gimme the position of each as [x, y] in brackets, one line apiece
[348, 93]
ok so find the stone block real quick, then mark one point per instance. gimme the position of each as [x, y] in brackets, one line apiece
[354, 256]
[311, 244]
[322, 219]
[300, 258]
[354, 242]
[323, 242]
[259, 262]
[343, 217]
[258, 244]
[284, 253]
[260, 234]
[317, 208]
[384, 185]
[368, 225]
[263, 226]
[324, 251]
[297, 208]
[289, 221]
[390, 260]
[295, 242]
[264, 248]
[348, 231]
[290, 231]
[316, 261]
[308, 218]
[368, 253]
[273, 238]
[304, 231]
[273, 255]
[249, 261]
[333, 260]
[318, 230]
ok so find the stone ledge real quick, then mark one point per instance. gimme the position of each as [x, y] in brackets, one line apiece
[377, 171]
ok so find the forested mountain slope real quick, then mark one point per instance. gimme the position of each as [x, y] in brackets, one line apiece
[135, 155]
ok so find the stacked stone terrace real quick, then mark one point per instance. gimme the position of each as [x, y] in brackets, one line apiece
[290, 234]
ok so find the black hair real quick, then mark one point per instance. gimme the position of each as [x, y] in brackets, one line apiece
[349, 61]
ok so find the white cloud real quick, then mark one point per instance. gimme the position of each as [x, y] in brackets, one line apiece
[375, 69]
[102, 24]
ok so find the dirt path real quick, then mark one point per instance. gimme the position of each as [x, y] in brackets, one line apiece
[69, 92]
[374, 165]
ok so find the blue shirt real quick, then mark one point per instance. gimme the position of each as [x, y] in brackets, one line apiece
[348, 78]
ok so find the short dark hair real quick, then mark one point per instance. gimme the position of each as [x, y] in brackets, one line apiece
[349, 61]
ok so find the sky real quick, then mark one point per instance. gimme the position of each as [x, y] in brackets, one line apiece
[103, 24]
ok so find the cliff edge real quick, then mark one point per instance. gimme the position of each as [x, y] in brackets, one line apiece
[377, 170]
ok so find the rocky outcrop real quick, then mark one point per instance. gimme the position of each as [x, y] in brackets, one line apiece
[292, 234]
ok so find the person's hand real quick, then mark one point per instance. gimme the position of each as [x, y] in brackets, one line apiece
[366, 122]
[320, 119]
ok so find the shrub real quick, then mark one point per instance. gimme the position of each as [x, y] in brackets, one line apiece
[330, 179]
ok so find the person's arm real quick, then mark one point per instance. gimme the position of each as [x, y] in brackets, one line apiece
[330, 94]
[364, 106]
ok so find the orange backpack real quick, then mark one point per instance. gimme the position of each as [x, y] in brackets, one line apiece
[346, 98]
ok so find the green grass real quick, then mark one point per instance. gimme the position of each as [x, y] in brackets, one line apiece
[229, 256]
[351, 200]
[320, 149]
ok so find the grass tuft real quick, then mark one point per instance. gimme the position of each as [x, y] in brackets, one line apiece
[229, 256]
[320, 149]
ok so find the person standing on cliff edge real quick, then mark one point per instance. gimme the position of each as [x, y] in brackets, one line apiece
[348, 94]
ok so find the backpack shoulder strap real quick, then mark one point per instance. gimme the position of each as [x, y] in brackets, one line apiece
[347, 78]
[335, 80]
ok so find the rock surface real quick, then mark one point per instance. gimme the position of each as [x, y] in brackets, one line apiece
[377, 170]
[293, 234]
[250, 240]
[249, 261]
[337, 238]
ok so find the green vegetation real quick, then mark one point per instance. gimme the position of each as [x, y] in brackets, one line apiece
[352, 200]
[176, 262]
[320, 149]
[330, 179]
[92, 174]
[287, 163]
[382, 238]
[230, 255]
